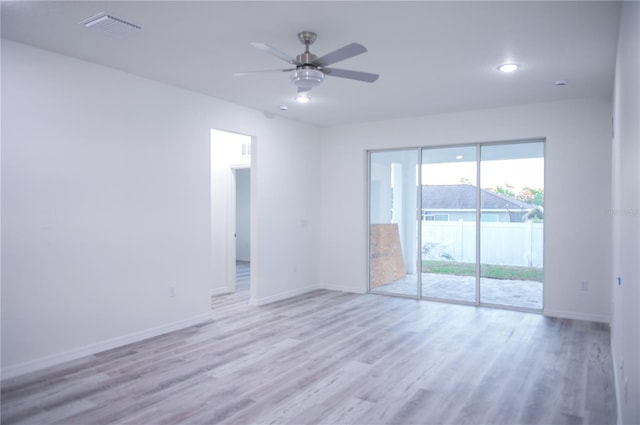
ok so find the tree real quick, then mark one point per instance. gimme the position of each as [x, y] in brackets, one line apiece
[507, 190]
[531, 196]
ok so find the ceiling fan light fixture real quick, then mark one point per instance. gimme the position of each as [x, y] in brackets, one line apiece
[306, 77]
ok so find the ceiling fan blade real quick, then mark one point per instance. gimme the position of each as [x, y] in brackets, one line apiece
[352, 75]
[262, 71]
[346, 52]
[275, 52]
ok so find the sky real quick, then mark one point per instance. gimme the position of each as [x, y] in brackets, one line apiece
[519, 173]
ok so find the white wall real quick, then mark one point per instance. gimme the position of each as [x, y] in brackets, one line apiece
[577, 246]
[625, 218]
[243, 214]
[105, 205]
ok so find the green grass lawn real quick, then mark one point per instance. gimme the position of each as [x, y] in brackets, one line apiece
[486, 270]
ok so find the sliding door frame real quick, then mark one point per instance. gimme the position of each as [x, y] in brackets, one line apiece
[419, 152]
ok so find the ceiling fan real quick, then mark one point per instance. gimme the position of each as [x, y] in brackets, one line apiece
[310, 70]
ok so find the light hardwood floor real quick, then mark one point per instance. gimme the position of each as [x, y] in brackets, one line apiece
[336, 358]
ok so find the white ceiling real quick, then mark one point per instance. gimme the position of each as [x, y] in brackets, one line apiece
[432, 57]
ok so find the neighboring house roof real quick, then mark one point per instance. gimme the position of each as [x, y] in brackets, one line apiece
[463, 197]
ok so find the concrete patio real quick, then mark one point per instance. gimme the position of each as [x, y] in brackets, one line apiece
[513, 293]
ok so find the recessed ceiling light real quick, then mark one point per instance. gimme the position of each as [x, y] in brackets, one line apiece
[561, 83]
[459, 157]
[302, 98]
[284, 108]
[508, 67]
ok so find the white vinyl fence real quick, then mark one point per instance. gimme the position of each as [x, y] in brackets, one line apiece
[511, 244]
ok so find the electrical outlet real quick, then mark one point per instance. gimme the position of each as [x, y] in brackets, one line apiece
[172, 291]
[584, 285]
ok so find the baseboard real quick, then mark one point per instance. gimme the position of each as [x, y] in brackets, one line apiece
[343, 289]
[616, 385]
[282, 296]
[562, 314]
[88, 350]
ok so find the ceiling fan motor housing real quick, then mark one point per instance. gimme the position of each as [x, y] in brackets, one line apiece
[306, 75]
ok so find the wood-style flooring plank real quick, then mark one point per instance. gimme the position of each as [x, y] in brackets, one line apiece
[328, 357]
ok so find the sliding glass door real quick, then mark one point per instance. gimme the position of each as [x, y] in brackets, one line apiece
[448, 212]
[461, 224]
[511, 224]
[393, 224]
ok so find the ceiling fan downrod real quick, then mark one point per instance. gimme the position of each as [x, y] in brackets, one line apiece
[307, 58]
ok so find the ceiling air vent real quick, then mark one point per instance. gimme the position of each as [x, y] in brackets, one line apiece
[110, 24]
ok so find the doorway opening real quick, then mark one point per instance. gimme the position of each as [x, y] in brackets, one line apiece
[232, 217]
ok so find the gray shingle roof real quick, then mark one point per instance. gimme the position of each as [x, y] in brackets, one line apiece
[463, 197]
